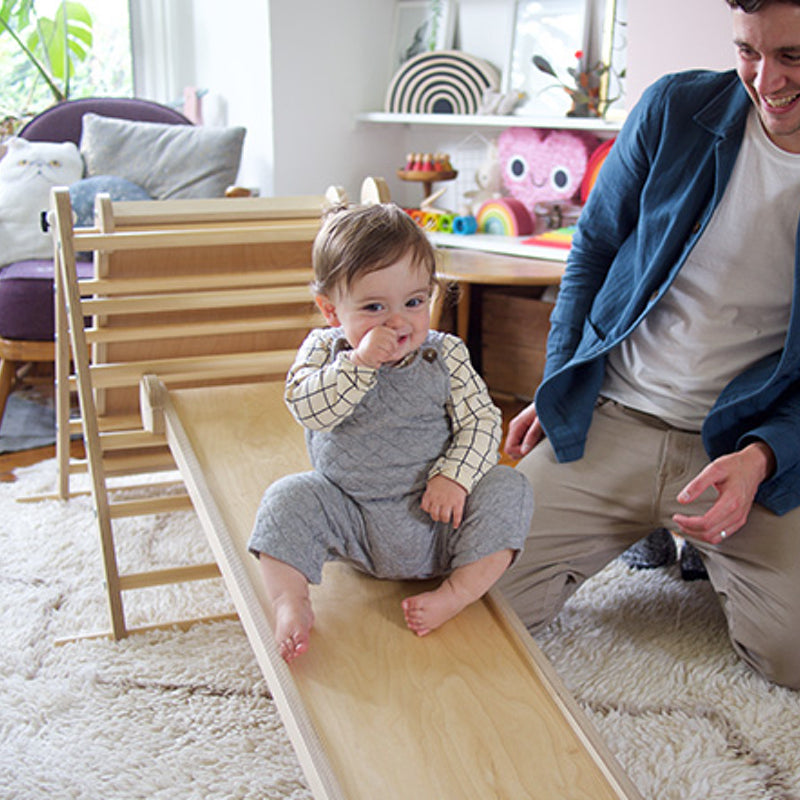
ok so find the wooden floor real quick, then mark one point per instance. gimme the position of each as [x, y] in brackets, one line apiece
[11, 461]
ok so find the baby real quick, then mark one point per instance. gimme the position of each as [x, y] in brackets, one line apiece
[402, 435]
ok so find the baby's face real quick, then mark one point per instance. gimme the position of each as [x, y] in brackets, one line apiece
[396, 297]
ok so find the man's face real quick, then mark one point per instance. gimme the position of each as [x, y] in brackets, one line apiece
[768, 63]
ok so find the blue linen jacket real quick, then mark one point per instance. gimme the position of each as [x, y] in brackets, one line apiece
[653, 198]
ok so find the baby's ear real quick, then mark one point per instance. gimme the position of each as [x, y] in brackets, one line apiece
[328, 309]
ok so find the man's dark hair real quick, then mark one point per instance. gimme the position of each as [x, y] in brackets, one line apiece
[751, 6]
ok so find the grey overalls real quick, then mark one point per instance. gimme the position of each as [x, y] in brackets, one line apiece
[362, 501]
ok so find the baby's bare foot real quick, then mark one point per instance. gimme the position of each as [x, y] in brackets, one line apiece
[293, 621]
[427, 611]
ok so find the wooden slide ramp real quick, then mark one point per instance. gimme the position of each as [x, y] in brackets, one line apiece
[473, 710]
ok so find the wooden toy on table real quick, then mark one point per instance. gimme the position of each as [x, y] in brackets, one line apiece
[504, 216]
[427, 168]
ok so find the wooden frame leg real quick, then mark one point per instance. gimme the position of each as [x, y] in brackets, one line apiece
[462, 311]
[8, 370]
[62, 368]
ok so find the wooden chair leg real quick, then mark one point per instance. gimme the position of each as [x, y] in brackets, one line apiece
[8, 371]
[437, 306]
[62, 370]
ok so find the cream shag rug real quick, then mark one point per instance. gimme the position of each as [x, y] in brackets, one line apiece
[187, 714]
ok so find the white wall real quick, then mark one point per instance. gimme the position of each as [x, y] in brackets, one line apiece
[330, 60]
[233, 62]
[189, 43]
[668, 37]
[296, 72]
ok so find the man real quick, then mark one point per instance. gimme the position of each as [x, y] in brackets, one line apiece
[671, 394]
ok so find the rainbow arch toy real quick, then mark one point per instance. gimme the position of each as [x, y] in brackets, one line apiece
[596, 161]
[504, 216]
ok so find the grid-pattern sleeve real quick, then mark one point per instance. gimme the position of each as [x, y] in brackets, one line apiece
[324, 386]
[476, 420]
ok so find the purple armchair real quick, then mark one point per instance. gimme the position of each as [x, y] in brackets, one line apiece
[27, 320]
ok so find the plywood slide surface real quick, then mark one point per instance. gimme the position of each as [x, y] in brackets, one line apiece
[472, 710]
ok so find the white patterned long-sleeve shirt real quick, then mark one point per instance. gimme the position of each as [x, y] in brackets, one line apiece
[324, 387]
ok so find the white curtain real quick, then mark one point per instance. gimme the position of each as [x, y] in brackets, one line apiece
[162, 44]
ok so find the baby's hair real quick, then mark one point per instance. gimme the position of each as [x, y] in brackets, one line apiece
[355, 241]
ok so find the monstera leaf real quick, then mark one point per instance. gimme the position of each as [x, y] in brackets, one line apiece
[53, 45]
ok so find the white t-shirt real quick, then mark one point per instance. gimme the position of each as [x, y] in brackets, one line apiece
[730, 303]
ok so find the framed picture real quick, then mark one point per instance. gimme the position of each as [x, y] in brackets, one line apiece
[421, 26]
[555, 30]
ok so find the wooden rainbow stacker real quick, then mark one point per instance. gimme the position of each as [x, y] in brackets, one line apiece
[473, 710]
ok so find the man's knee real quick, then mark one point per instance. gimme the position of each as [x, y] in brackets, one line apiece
[536, 594]
[773, 652]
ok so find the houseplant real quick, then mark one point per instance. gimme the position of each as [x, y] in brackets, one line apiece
[587, 91]
[48, 50]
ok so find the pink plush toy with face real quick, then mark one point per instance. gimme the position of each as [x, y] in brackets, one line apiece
[542, 166]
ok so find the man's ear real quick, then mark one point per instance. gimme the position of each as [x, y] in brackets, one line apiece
[328, 309]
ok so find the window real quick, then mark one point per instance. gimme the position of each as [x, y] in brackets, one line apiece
[105, 71]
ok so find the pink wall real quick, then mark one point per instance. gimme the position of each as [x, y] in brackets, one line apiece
[671, 36]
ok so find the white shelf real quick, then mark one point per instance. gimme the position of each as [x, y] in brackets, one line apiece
[493, 121]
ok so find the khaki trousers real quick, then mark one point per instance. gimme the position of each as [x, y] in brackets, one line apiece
[587, 512]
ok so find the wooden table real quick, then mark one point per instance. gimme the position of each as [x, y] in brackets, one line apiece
[471, 267]
[468, 267]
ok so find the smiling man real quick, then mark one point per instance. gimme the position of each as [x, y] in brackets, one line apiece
[768, 64]
[671, 394]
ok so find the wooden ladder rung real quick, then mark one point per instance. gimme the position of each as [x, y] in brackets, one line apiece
[194, 368]
[191, 283]
[285, 231]
[128, 440]
[126, 422]
[141, 487]
[118, 464]
[180, 624]
[197, 329]
[193, 301]
[118, 509]
[163, 577]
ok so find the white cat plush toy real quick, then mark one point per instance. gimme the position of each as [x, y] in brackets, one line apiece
[28, 171]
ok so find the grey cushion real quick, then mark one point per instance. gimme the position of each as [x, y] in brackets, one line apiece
[167, 161]
[82, 193]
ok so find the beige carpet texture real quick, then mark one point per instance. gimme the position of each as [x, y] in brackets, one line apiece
[174, 714]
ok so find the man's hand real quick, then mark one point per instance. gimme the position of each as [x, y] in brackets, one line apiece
[524, 433]
[736, 478]
[444, 500]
